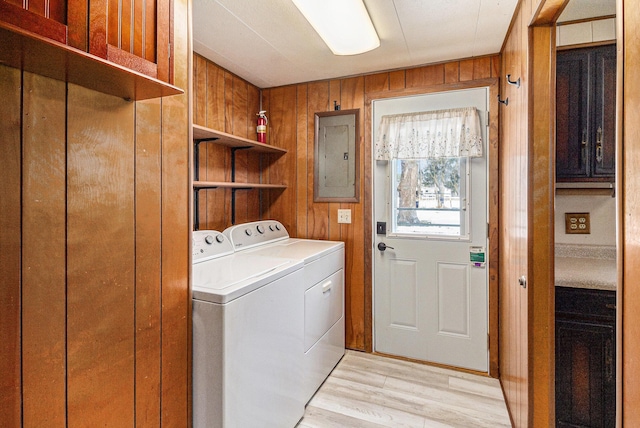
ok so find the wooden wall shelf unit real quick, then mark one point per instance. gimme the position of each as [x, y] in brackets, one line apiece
[203, 134]
[30, 52]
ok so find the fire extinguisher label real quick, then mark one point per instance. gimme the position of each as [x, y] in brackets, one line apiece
[262, 128]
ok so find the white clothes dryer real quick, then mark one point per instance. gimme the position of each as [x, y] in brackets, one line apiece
[246, 337]
[323, 283]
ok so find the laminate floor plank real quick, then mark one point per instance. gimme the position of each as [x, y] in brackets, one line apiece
[370, 391]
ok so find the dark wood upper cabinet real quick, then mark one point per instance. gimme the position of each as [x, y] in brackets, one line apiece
[585, 114]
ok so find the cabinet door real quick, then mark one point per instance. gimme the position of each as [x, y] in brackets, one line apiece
[136, 34]
[47, 18]
[572, 121]
[585, 374]
[604, 123]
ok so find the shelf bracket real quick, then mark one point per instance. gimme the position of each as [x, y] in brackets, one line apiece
[196, 155]
[196, 177]
[233, 180]
[233, 161]
[196, 210]
[233, 202]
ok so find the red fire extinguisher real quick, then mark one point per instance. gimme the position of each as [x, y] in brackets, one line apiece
[262, 126]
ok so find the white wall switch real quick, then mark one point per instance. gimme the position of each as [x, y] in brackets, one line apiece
[344, 216]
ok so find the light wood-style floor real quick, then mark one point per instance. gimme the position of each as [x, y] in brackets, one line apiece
[367, 391]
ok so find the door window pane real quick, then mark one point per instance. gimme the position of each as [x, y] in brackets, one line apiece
[429, 197]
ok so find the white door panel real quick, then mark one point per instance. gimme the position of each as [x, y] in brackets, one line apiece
[430, 303]
[453, 299]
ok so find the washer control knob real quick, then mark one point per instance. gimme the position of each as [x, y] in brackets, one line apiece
[277, 226]
[208, 239]
[260, 229]
[248, 232]
[220, 239]
[272, 227]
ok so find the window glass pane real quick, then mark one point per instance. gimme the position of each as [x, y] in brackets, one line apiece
[429, 197]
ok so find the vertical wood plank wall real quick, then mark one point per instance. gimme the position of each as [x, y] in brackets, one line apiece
[527, 178]
[514, 206]
[94, 253]
[225, 102]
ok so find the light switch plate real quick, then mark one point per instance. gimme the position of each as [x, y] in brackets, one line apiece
[577, 223]
[344, 216]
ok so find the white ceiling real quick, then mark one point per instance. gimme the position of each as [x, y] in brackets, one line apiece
[269, 43]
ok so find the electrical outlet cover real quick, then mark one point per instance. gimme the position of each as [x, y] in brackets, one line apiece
[577, 223]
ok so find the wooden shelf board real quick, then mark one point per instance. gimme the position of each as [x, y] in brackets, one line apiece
[229, 185]
[203, 133]
[29, 52]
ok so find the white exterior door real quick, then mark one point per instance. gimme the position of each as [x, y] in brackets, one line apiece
[430, 283]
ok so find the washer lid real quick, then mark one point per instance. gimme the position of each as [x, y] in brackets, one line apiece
[226, 278]
[295, 248]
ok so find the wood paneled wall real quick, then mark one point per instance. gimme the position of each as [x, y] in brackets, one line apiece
[225, 102]
[514, 206]
[291, 111]
[527, 358]
[94, 253]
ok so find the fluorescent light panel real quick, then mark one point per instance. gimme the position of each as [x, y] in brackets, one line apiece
[344, 25]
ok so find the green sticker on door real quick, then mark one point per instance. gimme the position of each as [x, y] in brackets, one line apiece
[476, 256]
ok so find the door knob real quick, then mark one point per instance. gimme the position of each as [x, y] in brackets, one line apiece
[382, 246]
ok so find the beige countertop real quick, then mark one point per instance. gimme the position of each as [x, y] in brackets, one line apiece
[582, 266]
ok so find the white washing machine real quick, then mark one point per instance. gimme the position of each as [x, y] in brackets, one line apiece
[247, 338]
[323, 301]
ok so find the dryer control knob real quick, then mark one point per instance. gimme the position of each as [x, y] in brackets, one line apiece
[208, 239]
[260, 229]
[277, 226]
[220, 239]
[272, 227]
[248, 232]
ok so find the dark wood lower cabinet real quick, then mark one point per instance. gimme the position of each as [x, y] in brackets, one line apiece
[585, 358]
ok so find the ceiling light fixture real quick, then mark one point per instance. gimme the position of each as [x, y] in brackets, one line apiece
[344, 25]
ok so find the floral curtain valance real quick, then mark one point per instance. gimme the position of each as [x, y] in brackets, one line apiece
[433, 134]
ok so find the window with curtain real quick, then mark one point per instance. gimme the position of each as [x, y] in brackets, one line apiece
[428, 153]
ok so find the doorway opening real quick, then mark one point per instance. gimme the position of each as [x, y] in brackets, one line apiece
[585, 218]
